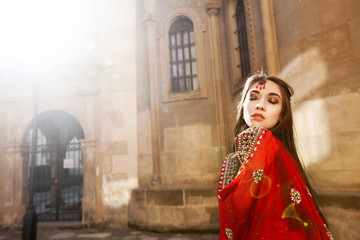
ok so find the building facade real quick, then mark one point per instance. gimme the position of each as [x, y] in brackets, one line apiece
[186, 111]
[153, 116]
[86, 161]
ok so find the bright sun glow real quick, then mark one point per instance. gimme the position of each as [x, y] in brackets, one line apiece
[38, 34]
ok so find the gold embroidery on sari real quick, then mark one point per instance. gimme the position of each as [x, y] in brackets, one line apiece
[258, 175]
[246, 144]
[295, 196]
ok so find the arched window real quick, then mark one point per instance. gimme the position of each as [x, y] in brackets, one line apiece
[184, 76]
[243, 40]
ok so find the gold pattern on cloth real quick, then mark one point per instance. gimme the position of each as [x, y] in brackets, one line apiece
[246, 144]
[295, 196]
[233, 165]
[229, 233]
[257, 175]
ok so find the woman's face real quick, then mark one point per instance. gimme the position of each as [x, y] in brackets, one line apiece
[262, 107]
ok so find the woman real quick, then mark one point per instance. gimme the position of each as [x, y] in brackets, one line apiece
[263, 191]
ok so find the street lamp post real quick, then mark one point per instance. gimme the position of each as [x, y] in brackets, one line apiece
[30, 217]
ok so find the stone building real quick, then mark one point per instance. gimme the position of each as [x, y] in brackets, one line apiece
[186, 111]
[86, 161]
[153, 116]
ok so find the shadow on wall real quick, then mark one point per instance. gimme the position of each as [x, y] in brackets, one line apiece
[327, 138]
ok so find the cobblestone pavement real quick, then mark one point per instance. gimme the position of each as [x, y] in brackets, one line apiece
[104, 234]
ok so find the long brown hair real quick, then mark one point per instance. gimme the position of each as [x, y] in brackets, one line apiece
[283, 130]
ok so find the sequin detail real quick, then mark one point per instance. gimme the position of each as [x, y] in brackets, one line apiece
[308, 191]
[257, 175]
[229, 233]
[246, 144]
[328, 233]
[295, 196]
[232, 166]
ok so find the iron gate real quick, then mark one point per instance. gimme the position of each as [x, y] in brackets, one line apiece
[58, 182]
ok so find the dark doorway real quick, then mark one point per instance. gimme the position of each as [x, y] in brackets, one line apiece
[58, 177]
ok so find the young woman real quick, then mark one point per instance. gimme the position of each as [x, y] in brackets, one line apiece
[263, 192]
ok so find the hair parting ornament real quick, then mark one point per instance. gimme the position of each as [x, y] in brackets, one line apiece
[261, 84]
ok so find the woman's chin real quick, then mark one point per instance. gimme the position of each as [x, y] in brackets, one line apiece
[257, 124]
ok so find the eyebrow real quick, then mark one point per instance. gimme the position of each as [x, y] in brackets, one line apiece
[271, 94]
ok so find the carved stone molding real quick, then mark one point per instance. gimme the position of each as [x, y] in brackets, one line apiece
[213, 11]
[199, 30]
[171, 17]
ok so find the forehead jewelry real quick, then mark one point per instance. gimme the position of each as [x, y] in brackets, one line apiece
[261, 84]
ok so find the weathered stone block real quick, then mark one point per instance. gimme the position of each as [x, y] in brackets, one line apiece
[343, 222]
[118, 147]
[125, 163]
[138, 213]
[344, 78]
[165, 197]
[305, 86]
[194, 137]
[333, 13]
[332, 45]
[348, 150]
[293, 27]
[290, 60]
[154, 217]
[342, 107]
[138, 196]
[107, 164]
[114, 118]
[169, 163]
[335, 179]
[188, 162]
[145, 169]
[172, 217]
[311, 118]
[319, 152]
[201, 196]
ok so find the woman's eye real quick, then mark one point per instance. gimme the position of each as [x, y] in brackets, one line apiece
[273, 101]
[252, 97]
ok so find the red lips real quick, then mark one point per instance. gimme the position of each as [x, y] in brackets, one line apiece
[257, 115]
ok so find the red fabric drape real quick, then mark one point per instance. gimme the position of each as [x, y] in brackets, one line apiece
[268, 199]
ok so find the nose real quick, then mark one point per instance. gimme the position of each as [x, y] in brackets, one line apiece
[260, 106]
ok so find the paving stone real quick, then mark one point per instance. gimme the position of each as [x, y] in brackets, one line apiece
[129, 237]
[108, 234]
[95, 235]
[149, 238]
[62, 235]
[179, 238]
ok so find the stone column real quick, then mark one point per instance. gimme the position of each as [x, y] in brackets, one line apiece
[271, 48]
[217, 72]
[14, 208]
[148, 20]
[88, 147]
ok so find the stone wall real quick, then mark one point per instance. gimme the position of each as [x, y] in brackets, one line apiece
[315, 46]
[180, 145]
[174, 209]
[187, 138]
[319, 51]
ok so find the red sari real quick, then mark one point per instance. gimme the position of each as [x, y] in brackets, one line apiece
[262, 194]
